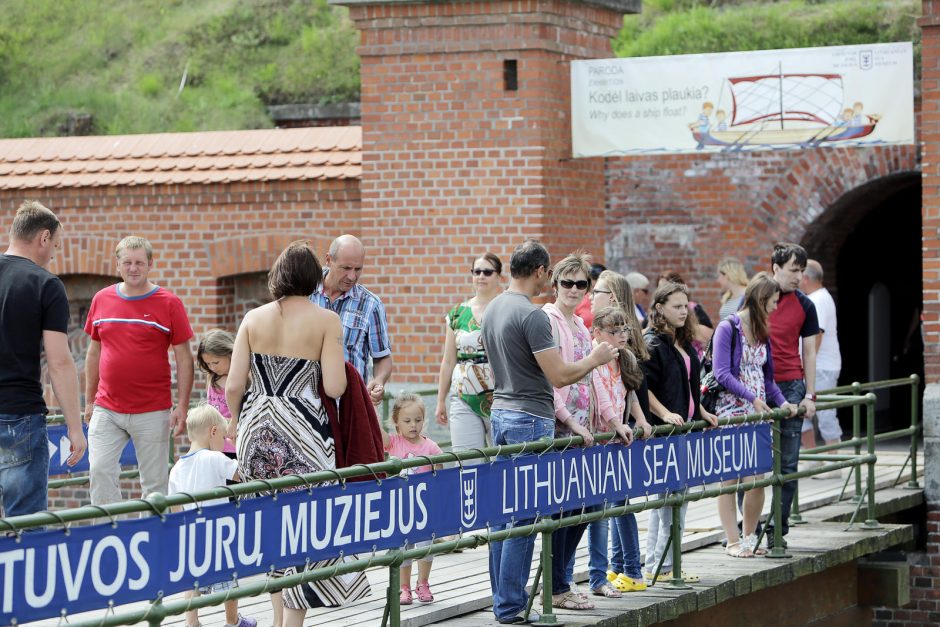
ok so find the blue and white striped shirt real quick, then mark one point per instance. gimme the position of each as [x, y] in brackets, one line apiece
[365, 326]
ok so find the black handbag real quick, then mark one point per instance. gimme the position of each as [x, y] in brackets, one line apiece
[710, 386]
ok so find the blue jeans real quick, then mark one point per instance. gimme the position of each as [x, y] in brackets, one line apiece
[597, 554]
[790, 430]
[598, 543]
[625, 547]
[24, 464]
[511, 560]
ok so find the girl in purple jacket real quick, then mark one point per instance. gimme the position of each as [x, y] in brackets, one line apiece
[745, 369]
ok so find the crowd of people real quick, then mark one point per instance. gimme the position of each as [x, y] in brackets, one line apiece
[607, 354]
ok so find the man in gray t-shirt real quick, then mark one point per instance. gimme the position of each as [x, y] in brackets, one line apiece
[526, 366]
[514, 332]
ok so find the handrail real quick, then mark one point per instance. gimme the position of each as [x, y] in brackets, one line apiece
[157, 503]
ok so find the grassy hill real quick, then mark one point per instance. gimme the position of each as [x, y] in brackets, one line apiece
[137, 66]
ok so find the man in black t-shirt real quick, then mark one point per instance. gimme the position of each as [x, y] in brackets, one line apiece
[34, 314]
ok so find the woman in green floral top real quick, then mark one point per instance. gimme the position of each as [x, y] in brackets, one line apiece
[465, 372]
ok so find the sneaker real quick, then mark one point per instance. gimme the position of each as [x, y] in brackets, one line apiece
[519, 619]
[244, 621]
[808, 466]
[405, 597]
[423, 590]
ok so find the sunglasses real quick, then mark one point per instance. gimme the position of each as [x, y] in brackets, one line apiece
[483, 271]
[565, 283]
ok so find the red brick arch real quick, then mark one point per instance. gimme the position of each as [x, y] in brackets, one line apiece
[244, 254]
[85, 254]
[818, 182]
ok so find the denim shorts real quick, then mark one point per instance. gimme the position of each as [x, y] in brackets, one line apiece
[24, 464]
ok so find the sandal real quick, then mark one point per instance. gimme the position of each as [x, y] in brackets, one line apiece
[750, 542]
[570, 601]
[606, 590]
[738, 549]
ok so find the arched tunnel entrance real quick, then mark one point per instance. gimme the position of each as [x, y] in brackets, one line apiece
[869, 244]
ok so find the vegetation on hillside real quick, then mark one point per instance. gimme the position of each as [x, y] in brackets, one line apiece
[668, 27]
[136, 66]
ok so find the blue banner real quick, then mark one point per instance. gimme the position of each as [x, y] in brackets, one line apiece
[43, 573]
[59, 451]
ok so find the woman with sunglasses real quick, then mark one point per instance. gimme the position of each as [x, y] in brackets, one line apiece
[465, 372]
[673, 377]
[570, 282]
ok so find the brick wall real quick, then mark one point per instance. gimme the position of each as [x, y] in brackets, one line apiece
[930, 132]
[455, 164]
[924, 607]
[687, 212]
[213, 247]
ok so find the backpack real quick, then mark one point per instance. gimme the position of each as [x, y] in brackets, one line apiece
[710, 386]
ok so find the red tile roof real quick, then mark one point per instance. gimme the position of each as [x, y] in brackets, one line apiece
[180, 158]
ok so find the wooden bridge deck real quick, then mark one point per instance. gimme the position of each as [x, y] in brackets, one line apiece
[460, 581]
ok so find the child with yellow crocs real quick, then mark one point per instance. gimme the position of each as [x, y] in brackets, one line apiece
[615, 386]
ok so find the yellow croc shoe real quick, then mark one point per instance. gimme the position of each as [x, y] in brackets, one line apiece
[626, 584]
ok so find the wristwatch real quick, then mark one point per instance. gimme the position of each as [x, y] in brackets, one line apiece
[810, 397]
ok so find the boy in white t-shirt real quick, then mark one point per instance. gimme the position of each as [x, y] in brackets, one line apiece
[205, 467]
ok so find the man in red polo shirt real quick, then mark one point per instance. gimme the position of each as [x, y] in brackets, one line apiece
[128, 391]
[792, 325]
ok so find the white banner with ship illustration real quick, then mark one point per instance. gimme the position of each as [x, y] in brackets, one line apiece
[737, 101]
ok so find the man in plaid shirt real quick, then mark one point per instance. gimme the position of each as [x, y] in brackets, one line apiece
[365, 326]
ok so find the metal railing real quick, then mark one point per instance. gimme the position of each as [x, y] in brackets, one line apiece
[830, 399]
[857, 441]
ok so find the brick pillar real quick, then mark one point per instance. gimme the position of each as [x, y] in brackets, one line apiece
[467, 146]
[925, 571]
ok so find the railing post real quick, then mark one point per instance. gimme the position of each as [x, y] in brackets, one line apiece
[856, 436]
[675, 530]
[157, 613]
[871, 522]
[795, 517]
[548, 616]
[393, 602]
[915, 405]
[777, 504]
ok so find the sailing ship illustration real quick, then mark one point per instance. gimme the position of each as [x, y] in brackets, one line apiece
[783, 109]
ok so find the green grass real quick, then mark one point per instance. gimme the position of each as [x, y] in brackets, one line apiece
[122, 63]
[670, 27]
[118, 65]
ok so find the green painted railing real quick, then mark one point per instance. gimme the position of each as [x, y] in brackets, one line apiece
[837, 398]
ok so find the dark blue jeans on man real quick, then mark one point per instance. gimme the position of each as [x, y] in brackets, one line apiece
[511, 560]
[24, 464]
[790, 430]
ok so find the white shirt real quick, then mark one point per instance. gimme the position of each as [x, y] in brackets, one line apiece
[828, 356]
[200, 471]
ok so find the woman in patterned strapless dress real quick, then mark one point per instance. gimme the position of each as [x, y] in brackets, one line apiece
[280, 424]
